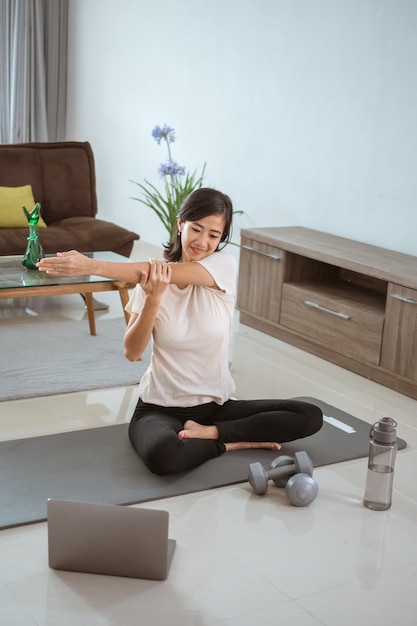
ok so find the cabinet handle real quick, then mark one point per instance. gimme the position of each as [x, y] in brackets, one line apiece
[398, 296]
[314, 305]
[274, 257]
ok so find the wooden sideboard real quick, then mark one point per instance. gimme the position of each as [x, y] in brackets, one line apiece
[348, 302]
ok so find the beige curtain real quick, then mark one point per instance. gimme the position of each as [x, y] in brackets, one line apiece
[33, 70]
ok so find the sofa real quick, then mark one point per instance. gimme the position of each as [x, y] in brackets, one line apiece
[61, 176]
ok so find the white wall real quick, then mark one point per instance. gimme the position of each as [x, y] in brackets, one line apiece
[304, 110]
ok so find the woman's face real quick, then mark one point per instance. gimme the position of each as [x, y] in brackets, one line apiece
[200, 238]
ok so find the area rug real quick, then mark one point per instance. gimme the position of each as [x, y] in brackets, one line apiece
[51, 358]
[99, 465]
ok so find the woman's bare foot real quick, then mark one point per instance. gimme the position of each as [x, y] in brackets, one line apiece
[194, 430]
[245, 445]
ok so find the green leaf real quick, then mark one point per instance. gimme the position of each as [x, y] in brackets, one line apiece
[166, 204]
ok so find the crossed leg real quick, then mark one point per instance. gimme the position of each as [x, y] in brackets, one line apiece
[194, 430]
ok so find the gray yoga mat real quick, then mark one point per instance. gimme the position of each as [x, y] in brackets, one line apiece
[99, 465]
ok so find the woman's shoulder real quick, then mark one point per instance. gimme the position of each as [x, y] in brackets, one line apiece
[223, 268]
[220, 258]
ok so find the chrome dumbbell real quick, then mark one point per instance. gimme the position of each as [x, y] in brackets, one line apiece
[293, 473]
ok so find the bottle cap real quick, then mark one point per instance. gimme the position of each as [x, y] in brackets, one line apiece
[384, 430]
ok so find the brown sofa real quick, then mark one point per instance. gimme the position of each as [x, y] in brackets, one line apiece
[62, 177]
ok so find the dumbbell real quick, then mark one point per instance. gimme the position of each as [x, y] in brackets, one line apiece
[300, 463]
[295, 474]
[301, 489]
[280, 470]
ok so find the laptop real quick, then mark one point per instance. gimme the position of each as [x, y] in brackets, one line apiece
[109, 539]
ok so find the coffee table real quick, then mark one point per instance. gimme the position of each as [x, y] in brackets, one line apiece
[18, 282]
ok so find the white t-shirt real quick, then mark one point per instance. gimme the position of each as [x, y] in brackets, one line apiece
[191, 336]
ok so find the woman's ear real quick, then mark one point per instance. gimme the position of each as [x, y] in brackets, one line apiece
[180, 225]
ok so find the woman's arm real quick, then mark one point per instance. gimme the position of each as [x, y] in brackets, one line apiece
[141, 324]
[74, 263]
[191, 273]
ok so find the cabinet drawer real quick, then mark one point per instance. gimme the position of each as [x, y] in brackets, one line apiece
[260, 280]
[336, 319]
[399, 347]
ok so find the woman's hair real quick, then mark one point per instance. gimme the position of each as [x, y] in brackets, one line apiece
[199, 204]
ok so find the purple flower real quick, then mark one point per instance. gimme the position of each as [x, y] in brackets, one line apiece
[166, 132]
[171, 168]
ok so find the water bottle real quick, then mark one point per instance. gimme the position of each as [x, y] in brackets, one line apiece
[380, 476]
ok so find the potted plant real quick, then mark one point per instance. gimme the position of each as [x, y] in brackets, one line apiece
[177, 185]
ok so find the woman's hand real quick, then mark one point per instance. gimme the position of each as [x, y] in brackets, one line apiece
[70, 263]
[157, 280]
[74, 263]
[139, 329]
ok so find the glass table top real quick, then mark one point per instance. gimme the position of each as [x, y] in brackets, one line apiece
[14, 275]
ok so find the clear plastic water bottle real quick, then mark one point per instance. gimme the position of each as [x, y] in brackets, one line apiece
[380, 476]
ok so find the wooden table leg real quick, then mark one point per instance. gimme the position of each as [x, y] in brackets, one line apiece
[124, 297]
[90, 312]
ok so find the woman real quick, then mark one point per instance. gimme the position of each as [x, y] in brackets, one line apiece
[184, 415]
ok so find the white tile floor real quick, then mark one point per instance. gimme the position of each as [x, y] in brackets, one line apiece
[241, 559]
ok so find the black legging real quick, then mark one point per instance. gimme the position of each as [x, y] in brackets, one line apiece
[153, 430]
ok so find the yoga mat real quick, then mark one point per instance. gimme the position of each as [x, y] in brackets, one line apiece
[51, 358]
[99, 465]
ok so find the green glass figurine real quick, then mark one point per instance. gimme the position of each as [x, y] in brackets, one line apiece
[34, 251]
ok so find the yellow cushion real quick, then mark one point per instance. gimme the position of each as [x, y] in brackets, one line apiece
[11, 201]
